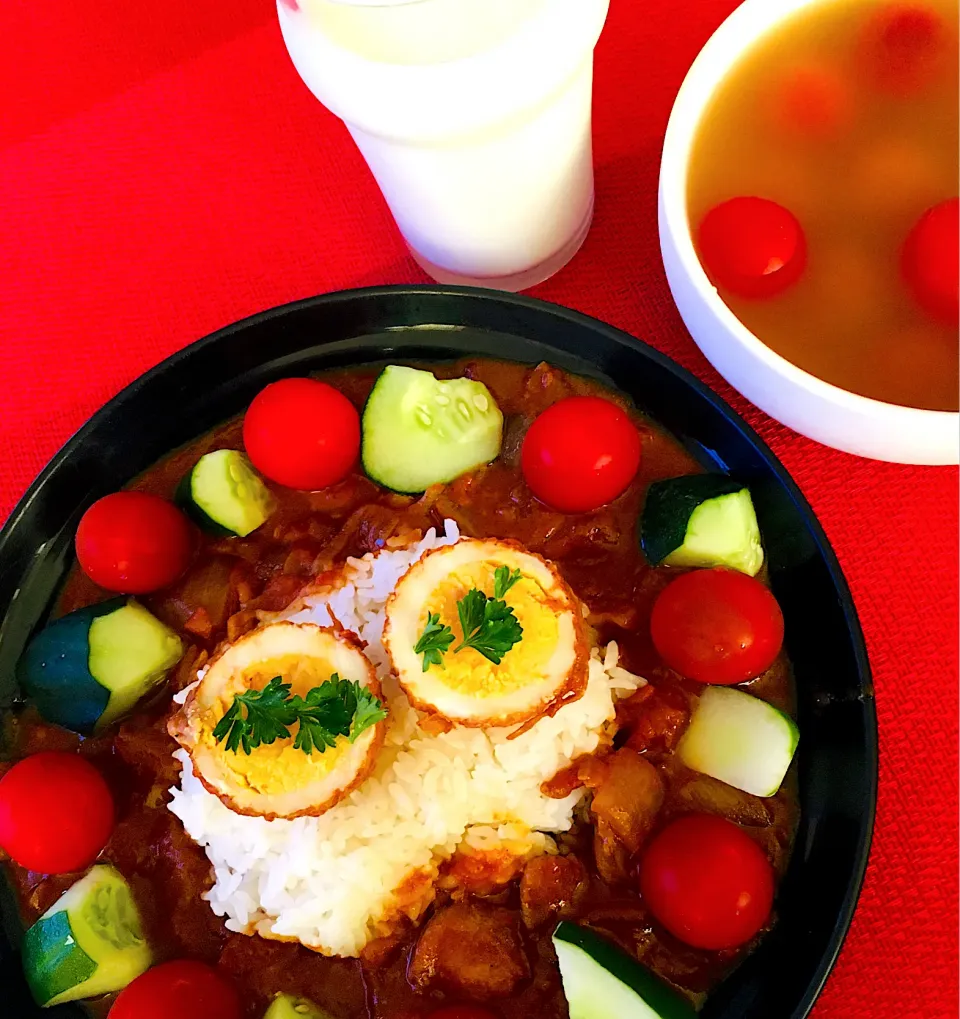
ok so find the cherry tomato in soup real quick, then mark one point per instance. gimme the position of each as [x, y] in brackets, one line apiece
[302, 433]
[56, 812]
[462, 1012]
[930, 261]
[580, 453]
[178, 990]
[133, 542]
[707, 882]
[717, 626]
[752, 247]
[813, 101]
[904, 48]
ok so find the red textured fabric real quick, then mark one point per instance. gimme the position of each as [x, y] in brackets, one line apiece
[164, 172]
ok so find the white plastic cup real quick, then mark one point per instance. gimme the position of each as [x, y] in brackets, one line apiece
[473, 115]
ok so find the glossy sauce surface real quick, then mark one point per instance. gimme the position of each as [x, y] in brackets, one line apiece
[802, 120]
[598, 555]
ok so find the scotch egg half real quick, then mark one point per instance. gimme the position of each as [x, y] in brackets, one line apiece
[543, 669]
[278, 779]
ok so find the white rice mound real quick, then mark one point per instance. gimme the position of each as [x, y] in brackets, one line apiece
[338, 881]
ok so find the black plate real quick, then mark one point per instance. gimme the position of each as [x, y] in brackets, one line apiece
[216, 377]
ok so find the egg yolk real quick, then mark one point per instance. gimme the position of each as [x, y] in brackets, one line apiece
[276, 767]
[469, 672]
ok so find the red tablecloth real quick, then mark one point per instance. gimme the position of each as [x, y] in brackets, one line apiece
[163, 172]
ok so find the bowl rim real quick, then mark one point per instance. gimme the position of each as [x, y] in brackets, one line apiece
[738, 33]
[417, 299]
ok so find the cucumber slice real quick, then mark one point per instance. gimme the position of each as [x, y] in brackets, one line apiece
[130, 654]
[419, 431]
[601, 982]
[286, 1006]
[740, 740]
[91, 667]
[223, 494]
[89, 942]
[701, 520]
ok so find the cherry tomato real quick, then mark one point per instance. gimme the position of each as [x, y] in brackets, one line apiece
[302, 433]
[905, 47]
[717, 626]
[56, 812]
[707, 882]
[178, 990]
[930, 261]
[753, 247]
[813, 101]
[580, 453]
[462, 1012]
[133, 542]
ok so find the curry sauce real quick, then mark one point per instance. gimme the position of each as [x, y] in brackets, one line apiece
[231, 579]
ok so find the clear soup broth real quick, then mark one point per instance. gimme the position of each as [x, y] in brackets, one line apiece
[846, 115]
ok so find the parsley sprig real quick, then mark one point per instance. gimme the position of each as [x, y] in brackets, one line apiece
[503, 579]
[338, 707]
[434, 642]
[489, 625]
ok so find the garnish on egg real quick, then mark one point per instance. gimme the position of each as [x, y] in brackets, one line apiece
[488, 625]
[486, 659]
[286, 721]
[335, 708]
[434, 641]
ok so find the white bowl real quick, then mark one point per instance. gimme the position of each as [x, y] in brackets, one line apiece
[798, 399]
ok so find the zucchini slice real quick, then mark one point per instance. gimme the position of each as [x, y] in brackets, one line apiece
[701, 520]
[91, 667]
[740, 740]
[224, 495]
[602, 982]
[286, 1006]
[418, 431]
[89, 942]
